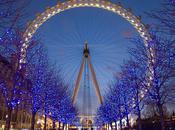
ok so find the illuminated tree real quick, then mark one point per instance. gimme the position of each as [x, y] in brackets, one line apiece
[117, 104]
[133, 81]
[37, 68]
[57, 101]
[15, 84]
[163, 63]
[134, 75]
[49, 94]
[10, 13]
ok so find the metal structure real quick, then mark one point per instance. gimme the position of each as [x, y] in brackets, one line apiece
[127, 14]
[86, 60]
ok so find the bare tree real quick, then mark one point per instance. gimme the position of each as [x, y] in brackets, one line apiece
[163, 65]
[11, 14]
[165, 17]
[134, 76]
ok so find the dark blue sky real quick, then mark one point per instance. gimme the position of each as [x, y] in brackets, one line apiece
[107, 34]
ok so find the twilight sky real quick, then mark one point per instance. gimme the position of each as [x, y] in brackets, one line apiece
[106, 33]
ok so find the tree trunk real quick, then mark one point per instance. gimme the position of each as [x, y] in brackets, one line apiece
[138, 110]
[33, 121]
[120, 124]
[53, 124]
[127, 122]
[139, 119]
[66, 127]
[63, 127]
[58, 125]
[111, 126]
[45, 122]
[160, 107]
[116, 126]
[8, 119]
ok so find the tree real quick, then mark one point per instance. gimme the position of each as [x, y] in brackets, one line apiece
[49, 94]
[37, 68]
[11, 14]
[14, 80]
[165, 17]
[163, 66]
[56, 97]
[60, 105]
[126, 96]
[133, 75]
[117, 104]
[10, 39]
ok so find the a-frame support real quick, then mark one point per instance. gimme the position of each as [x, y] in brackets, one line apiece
[86, 55]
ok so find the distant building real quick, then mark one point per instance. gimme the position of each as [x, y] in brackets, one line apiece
[154, 123]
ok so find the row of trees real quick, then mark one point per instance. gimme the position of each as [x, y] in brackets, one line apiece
[130, 92]
[36, 84]
[48, 92]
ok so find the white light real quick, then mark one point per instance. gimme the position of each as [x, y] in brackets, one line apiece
[25, 46]
[108, 7]
[140, 28]
[86, 4]
[40, 121]
[36, 25]
[24, 61]
[152, 54]
[146, 38]
[113, 9]
[97, 5]
[44, 18]
[142, 95]
[75, 5]
[133, 105]
[136, 25]
[26, 39]
[118, 11]
[152, 71]
[29, 34]
[92, 4]
[22, 49]
[132, 21]
[123, 14]
[20, 61]
[58, 10]
[49, 15]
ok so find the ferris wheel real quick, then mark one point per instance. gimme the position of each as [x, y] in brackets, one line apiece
[66, 40]
[107, 46]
